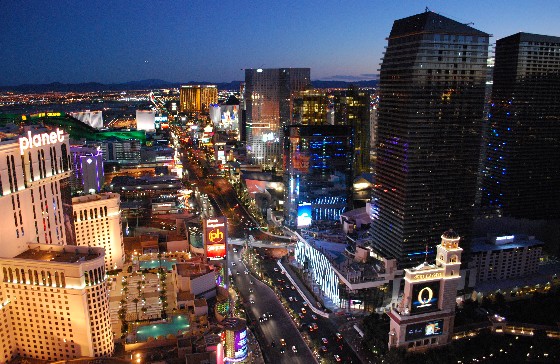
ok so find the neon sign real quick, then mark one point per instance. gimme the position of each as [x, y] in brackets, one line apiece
[38, 140]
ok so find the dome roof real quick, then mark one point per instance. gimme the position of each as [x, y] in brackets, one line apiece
[450, 234]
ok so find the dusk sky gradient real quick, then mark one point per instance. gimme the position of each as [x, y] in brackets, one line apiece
[43, 41]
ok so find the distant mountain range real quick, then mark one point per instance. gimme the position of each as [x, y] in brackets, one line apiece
[154, 84]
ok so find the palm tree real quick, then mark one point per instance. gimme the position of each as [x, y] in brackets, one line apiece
[136, 300]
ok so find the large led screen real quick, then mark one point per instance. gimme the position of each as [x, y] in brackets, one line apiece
[304, 215]
[423, 330]
[425, 297]
[215, 237]
[240, 345]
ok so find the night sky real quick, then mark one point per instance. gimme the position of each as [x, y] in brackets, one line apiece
[115, 41]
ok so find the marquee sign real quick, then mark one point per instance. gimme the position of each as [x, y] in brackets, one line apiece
[215, 237]
[424, 329]
[39, 140]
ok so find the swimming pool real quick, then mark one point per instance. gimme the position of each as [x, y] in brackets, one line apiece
[173, 326]
[151, 264]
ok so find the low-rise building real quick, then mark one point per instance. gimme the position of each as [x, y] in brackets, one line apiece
[505, 257]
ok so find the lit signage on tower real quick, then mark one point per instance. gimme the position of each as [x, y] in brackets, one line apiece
[240, 345]
[425, 297]
[215, 237]
[424, 329]
[39, 140]
[304, 215]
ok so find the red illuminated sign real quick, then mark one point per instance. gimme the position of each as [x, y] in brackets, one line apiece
[215, 237]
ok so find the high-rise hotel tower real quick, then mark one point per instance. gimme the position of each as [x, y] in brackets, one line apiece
[521, 175]
[429, 131]
[53, 294]
[269, 105]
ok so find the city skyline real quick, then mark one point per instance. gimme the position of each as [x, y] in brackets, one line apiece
[199, 41]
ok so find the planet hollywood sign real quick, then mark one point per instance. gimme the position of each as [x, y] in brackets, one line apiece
[39, 140]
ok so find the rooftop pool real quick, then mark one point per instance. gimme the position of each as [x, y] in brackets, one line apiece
[174, 326]
[151, 264]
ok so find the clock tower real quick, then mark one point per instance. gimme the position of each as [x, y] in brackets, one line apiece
[425, 316]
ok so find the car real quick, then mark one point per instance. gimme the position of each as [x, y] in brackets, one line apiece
[324, 349]
[292, 287]
[252, 301]
[237, 273]
[314, 317]
[279, 280]
[338, 336]
[291, 299]
[305, 303]
[252, 282]
[303, 310]
[275, 269]
[250, 290]
[315, 326]
[283, 272]
[246, 272]
[301, 316]
[324, 340]
[311, 328]
[283, 342]
[235, 250]
[295, 299]
[337, 358]
[282, 351]
[294, 349]
[233, 264]
[273, 344]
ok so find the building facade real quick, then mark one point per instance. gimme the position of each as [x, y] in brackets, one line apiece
[429, 121]
[317, 173]
[505, 257]
[268, 103]
[97, 219]
[197, 98]
[310, 107]
[55, 304]
[522, 164]
[352, 107]
[34, 190]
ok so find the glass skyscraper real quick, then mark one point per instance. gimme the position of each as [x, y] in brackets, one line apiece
[352, 107]
[268, 102]
[317, 171]
[431, 99]
[522, 162]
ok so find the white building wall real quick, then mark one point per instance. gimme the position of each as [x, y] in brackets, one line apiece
[97, 219]
[56, 313]
[30, 200]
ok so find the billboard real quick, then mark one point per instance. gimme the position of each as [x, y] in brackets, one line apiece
[303, 215]
[423, 330]
[425, 297]
[215, 237]
[240, 345]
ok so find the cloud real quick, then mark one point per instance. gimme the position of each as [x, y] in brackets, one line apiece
[360, 77]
